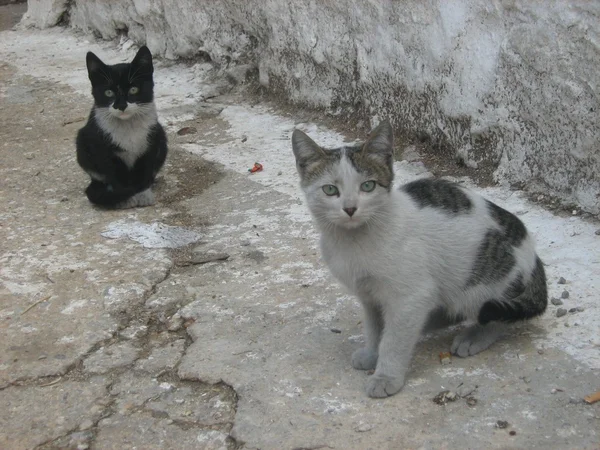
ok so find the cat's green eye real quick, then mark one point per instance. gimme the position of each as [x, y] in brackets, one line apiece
[109, 93]
[134, 90]
[367, 186]
[330, 190]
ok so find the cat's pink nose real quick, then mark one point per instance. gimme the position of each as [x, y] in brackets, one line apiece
[350, 211]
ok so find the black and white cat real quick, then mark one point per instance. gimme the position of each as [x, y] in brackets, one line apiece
[427, 249]
[122, 146]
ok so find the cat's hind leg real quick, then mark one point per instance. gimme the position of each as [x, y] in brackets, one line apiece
[141, 199]
[519, 302]
[477, 338]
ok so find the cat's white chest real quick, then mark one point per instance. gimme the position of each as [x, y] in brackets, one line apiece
[346, 263]
[130, 135]
[133, 140]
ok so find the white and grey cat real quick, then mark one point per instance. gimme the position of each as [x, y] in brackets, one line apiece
[430, 249]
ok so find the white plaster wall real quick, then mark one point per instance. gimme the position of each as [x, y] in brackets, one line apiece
[507, 84]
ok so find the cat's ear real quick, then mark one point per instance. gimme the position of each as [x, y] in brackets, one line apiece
[94, 65]
[305, 149]
[143, 59]
[381, 140]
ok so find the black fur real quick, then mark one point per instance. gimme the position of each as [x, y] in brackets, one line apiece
[494, 260]
[441, 194]
[530, 303]
[97, 153]
[513, 228]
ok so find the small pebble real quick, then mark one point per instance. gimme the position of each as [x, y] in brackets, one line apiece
[364, 427]
[597, 232]
[335, 330]
[465, 390]
[512, 432]
[561, 280]
[244, 138]
[540, 351]
[556, 301]
[471, 401]
[527, 380]
[565, 294]
[501, 424]
[561, 312]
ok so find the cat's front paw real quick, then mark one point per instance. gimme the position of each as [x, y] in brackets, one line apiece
[364, 359]
[381, 386]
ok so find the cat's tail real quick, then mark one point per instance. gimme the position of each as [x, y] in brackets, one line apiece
[104, 195]
[527, 302]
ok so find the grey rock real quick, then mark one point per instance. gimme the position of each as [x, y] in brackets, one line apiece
[175, 322]
[54, 409]
[561, 312]
[135, 331]
[565, 294]
[556, 301]
[203, 406]
[561, 280]
[112, 357]
[162, 358]
[140, 431]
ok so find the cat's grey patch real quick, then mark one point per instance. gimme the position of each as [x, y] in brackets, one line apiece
[532, 302]
[511, 225]
[379, 169]
[516, 288]
[374, 158]
[312, 161]
[476, 339]
[440, 194]
[256, 255]
[494, 259]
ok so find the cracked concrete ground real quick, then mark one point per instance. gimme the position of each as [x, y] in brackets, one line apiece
[112, 337]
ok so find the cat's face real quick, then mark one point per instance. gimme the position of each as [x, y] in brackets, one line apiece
[122, 91]
[346, 187]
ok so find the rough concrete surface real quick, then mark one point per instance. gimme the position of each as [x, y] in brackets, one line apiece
[112, 337]
[509, 87]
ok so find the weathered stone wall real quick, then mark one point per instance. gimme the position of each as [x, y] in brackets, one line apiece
[511, 84]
